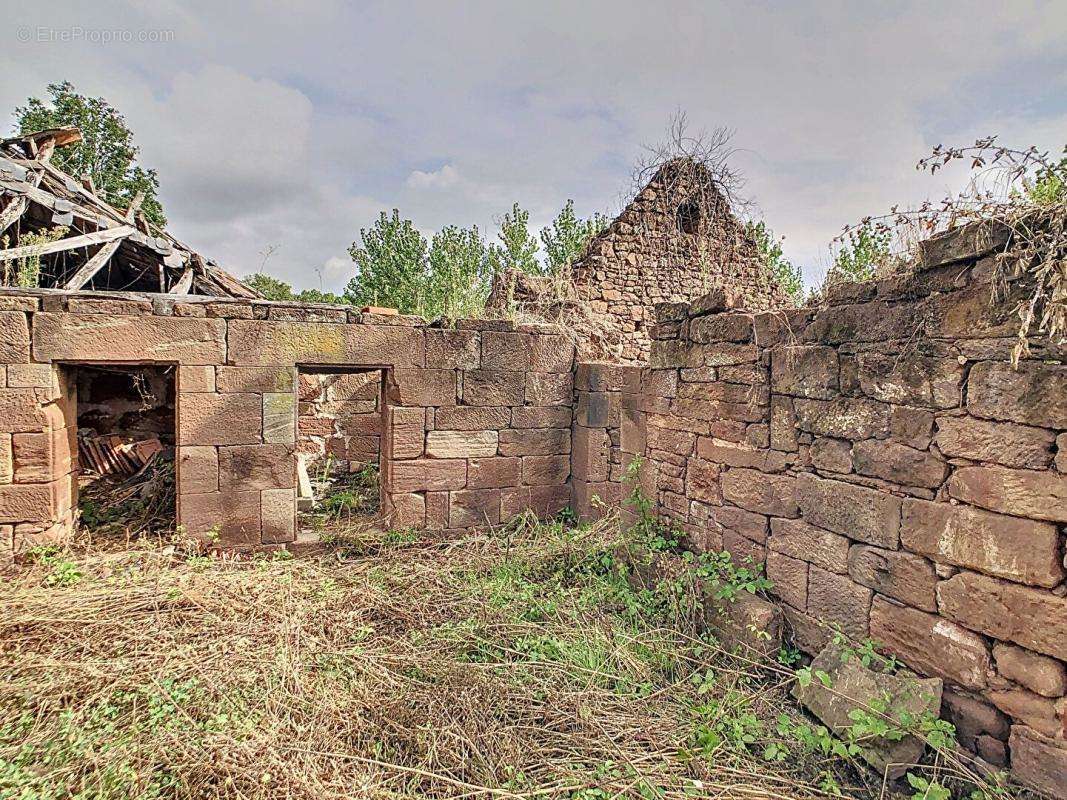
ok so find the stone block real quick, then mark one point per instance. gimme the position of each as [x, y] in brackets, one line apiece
[220, 419]
[679, 442]
[963, 242]
[860, 513]
[31, 376]
[593, 501]
[541, 417]
[426, 475]
[595, 376]
[831, 455]
[279, 418]
[737, 454]
[236, 515]
[1061, 453]
[763, 493]
[14, 338]
[1033, 618]
[1034, 394]
[535, 442]
[475, 418]
[140, 339]
[702, 481]
[911, 426]
[783, 425]
[482, 387]
[898, 463]
[424, 387]
[852, 418]
[973, 718]
[790, 579]
[1038, 762]
[544, 501]
[1008, 547]
[751, 625]
[473, 508]
[29, 502]
[797, 539]
[672, 354]
[256, 467]
[1023, 493]
[527, 352]
[494, 473]
[28, 411]
[911, 379]
[1032, 710]
[728, 518]
[43, 457]
[548, 388]
[7, 461]
[894, 573]
[633, 432]
[545, 470]
[407, 511]
[196, 379]
[805, 371]
[930, 644]
[721, 328]
[1040, 674]
[198, 470]
[461, 444]
[853, 686]
[807, 633]
[598, 409]
[452, 349]
[837, 600]
[1004, 443]
[278, 515]
[591, 454]
[257, 379]
[266, 342]
[436, 510]
[405, 432]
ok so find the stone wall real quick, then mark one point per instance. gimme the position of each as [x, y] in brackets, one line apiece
[477, 417]
[676, 240]
[896, 475]
[339, 420]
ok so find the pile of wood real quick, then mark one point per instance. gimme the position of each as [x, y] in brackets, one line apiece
[112, 455]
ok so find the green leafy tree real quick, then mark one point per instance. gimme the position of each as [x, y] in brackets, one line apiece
[460, 273]
[517, 248]
[318, 296]
[566, 238]
[781, 269]
[271, 288]
[867, 249]
[106, 152]
[391, 266]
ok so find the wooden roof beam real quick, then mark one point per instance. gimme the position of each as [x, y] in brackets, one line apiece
[58, 246]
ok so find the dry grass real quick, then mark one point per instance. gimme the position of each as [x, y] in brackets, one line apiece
[516, 664]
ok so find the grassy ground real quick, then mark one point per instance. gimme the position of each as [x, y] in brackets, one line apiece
[520, 663]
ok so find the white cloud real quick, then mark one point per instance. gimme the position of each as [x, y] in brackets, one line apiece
[438, 179]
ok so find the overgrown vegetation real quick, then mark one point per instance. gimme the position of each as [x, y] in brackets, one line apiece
[106, 153]
[25, 272]
[788, 276]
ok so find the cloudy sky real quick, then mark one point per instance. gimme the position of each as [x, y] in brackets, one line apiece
[288, 124]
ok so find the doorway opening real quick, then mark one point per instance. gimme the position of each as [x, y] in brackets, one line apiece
[340, 423]
[125, 448]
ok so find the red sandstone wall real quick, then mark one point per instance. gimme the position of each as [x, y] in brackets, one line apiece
[896, 475]
[477, 420]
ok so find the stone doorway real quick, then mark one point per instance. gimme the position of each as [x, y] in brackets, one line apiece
[340, 425]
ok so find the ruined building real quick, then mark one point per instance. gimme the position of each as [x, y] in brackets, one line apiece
[674, 242]
[878, 453]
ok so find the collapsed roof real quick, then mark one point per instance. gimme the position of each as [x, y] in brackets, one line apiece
[103, 247]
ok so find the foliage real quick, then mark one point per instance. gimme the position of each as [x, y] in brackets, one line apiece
[566, 238]
[391, 265]
[788, 277]
[106, 152]
[517, 248]
[276, 289]
[460, 273]
[867, 249]
[27, 270]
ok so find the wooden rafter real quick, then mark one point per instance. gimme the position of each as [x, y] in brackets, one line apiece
[93, 265]
[58, 246]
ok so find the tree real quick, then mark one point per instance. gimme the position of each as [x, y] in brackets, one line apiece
[318, 296]
[460, 273]
[868, 248]
[106, 152]
[271, 288]
[782, 271]
[517, 248]
[391, 266]
[565, 240]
